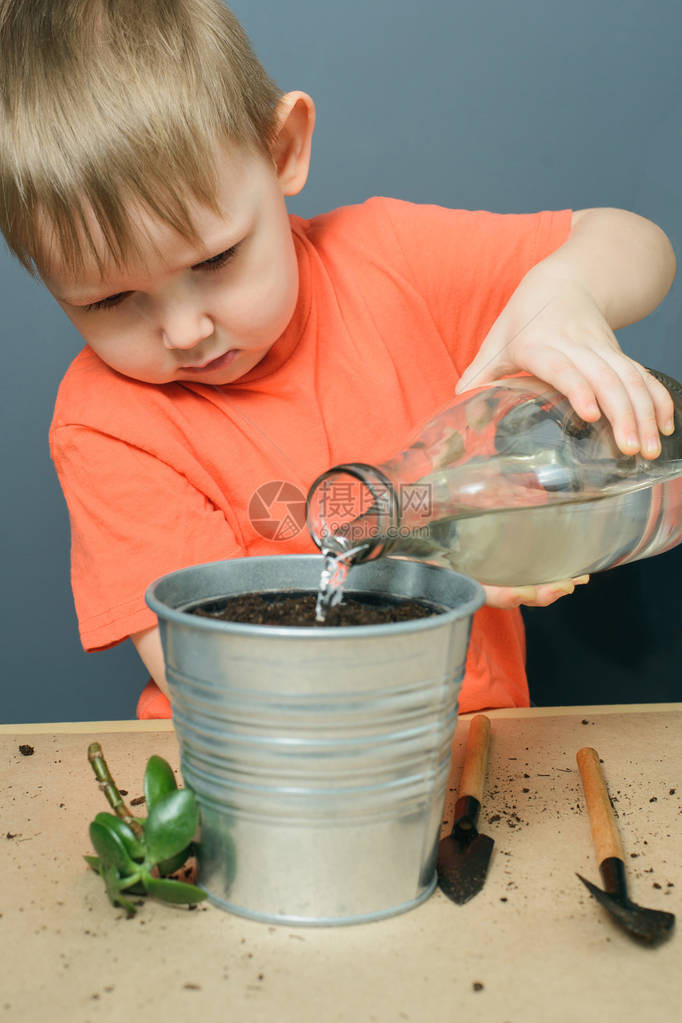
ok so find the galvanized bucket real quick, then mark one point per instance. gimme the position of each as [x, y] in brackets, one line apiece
[319, 756]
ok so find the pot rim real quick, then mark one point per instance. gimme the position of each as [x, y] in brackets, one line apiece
[313, 632]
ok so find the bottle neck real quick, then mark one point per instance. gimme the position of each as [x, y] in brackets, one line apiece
[353, 509]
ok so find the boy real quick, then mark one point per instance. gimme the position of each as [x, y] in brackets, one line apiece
[146, 157]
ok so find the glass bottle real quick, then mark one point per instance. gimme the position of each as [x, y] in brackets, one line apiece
[508, 485]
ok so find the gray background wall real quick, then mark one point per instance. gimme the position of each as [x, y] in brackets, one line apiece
[513, 107]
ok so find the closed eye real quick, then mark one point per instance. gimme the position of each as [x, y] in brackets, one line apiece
[214, 263]
[106, 303]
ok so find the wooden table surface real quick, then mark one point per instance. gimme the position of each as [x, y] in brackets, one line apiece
[532, 946]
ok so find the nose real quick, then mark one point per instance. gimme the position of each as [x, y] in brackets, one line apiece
[186, 330]
[180, 317]
[190, 340]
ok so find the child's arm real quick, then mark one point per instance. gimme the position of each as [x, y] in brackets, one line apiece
[614, 269]
[148, 645]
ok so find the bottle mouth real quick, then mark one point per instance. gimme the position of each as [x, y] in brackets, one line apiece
[350, 509]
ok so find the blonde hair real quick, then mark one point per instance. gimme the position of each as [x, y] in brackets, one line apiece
[107, 101]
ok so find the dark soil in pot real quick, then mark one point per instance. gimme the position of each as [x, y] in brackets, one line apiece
[297, 608]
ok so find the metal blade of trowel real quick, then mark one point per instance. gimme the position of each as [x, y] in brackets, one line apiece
[464, 855]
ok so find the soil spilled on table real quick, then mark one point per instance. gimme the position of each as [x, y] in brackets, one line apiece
[297, 608]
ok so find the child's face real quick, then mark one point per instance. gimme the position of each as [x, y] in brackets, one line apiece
[208, 314]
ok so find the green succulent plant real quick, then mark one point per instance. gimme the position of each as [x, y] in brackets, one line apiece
[135, 855]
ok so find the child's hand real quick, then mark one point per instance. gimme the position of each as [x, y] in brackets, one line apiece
[553, 328]
[531, 596]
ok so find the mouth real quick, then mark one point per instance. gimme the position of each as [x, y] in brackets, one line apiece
[219, 363]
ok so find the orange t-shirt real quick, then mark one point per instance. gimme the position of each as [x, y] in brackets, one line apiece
[394, 302]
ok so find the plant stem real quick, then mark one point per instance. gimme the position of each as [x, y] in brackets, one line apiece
[110, 789]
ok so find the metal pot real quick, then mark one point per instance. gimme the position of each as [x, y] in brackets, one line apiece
[319, 756]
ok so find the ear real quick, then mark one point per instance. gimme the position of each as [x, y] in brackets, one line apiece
[291, 148]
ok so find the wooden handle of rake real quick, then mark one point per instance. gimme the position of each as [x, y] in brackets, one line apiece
[472, 781]
[607, 841]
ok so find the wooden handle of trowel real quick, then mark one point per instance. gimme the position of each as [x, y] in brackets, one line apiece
[602, 817]
[472, 781]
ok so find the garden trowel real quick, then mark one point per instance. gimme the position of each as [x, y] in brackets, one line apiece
[464, 855]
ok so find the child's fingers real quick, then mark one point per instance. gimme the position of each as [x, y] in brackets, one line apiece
[619, 388]
[641, 389]
[611, 393]
[551, 592]
[635, 403]
[509, 596]
[569, 374]
[548, 593]
[599, 376]
[531, 596]
[663, 403]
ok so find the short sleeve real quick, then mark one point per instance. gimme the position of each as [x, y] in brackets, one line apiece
[467, 263]
[133, 518]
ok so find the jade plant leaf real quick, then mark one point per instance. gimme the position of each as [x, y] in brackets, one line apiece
[130, 842]
[159, 780]
[110, 849]
[171, 824]
[174, 891]
[167, 867]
